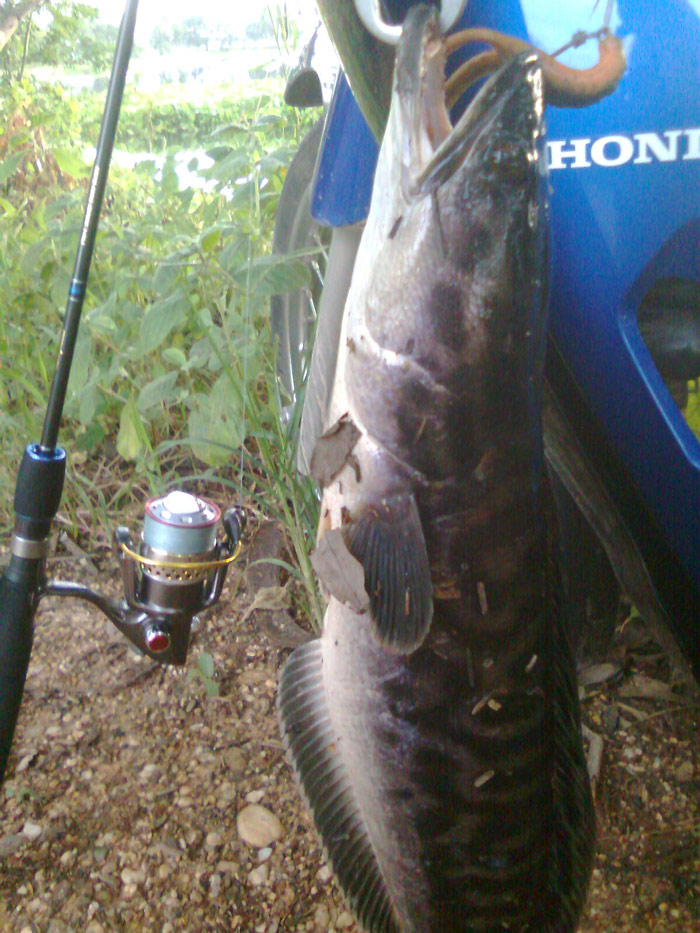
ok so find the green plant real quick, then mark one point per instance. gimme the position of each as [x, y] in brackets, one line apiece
[173, 377]
[204, 672]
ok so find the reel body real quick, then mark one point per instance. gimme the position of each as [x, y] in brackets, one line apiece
[176, 570]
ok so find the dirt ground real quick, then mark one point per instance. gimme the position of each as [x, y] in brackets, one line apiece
[120, 808]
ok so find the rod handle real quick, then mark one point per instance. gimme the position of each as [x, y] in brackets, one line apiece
[17, 606]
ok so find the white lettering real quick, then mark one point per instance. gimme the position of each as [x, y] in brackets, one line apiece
[611, 151]
[652, 142]
[693, 144]
[557, 152]
[625, 151]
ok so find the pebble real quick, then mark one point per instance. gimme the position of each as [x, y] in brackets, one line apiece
[255, 796]
[343, 920]
[226, 796]
[149, 772]
[214, 840]
[234, 760]
[324, 874]
[215, 885]
[11, 843]
[685, 771]
[264, 854]
[31, 830]
[133, 876]
[322, 918]
[258, 827]
[258, 876]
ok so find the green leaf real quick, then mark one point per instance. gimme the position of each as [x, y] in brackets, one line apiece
[215, 428]
[210, 240]
[7, 208]
[229, 168]
[129, 443]
[90, 399]
[91, 439]
[174, 356]
[71, 163]
[274, 275]
[158, 391]
[211, 688]
[80, 367]
[165, 277]
[10, 165]
[205, 663]
[161, 318]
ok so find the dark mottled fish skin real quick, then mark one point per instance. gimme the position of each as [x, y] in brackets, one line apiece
[443, 765]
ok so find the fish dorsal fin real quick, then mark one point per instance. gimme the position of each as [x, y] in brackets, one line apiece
[325, 785]
[388, 541]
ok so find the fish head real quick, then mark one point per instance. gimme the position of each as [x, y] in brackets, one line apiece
[475, 191]
[447, 309]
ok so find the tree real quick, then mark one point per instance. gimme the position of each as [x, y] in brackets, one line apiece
[161, 39]
[75, 36]
[11, 16]
[71, 35]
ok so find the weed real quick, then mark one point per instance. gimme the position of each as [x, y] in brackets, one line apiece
[173, 378]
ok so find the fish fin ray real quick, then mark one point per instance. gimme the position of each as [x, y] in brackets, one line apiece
[388, 541]
[325, 785]
[574, 813]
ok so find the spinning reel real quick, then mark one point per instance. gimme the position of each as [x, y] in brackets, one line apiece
[176, 570]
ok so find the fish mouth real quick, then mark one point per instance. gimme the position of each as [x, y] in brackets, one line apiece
[507, 113]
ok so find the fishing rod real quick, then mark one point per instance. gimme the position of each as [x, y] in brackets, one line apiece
[176, 569]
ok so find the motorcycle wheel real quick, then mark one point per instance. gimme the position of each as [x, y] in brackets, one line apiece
[293, 314]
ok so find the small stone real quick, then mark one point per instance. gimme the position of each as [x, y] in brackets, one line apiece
[31, 830]
[324, 874]
[11, 843]
[168, 848]
[225, 796]
[343, 920]
[149, 772]
[264, 854]
[258, 876]
[685, 772]
[258, 827]
[133, 876]
[255, 796]
[234, 761]
[322, 918]
[214, 840]
[215, 885]
[25, 762]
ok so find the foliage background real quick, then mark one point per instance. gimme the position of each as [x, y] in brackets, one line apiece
[173, 377]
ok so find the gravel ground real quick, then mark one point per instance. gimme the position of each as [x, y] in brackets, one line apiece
[123, 802]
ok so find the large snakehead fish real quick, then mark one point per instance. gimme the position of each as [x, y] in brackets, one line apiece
[434, 727]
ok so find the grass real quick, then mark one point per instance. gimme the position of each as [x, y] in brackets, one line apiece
[174, 378]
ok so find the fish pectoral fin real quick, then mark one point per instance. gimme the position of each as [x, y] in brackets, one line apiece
[388, 541]
[325, 784]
